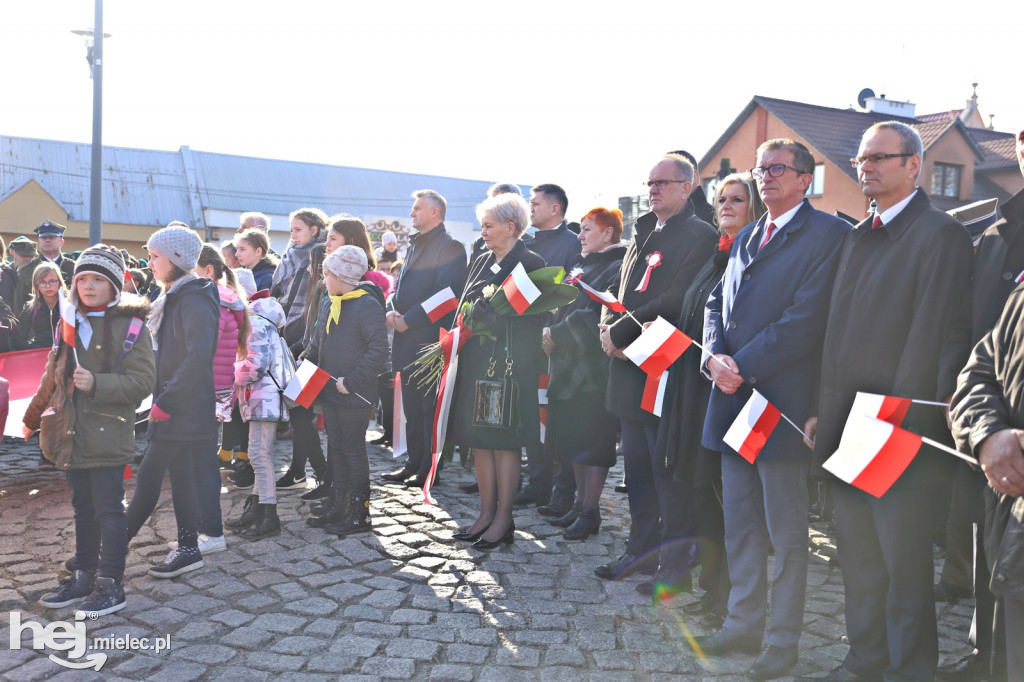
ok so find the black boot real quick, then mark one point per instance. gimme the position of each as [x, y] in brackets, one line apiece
[356, 518]
[248, 516]
[585, 526]
[266, 524]
[332, 511]
[568, 518]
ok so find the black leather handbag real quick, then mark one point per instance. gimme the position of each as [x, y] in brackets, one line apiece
[496, 401]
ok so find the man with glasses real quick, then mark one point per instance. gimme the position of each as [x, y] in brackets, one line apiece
[49, 237]
[899, 325]
[764, 324]
[669, 247]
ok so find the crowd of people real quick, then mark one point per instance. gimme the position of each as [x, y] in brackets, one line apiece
[786, 302]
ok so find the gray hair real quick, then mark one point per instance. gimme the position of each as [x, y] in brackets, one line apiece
[503, 188]
[506, 208]
[684, 169]
[435, 198]
[259, 220]
[910, 139]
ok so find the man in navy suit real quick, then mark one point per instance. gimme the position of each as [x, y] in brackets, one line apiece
[434, 261]
[765, 323]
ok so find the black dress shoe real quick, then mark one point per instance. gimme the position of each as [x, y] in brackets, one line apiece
[840, 674]
[473, 487]
[665, 587]
[724, 642]
[951, 594]
[558, 506]
[974, 666]
[773, 662]
[507, 539]
[586, 524]
[696, 608]
[466, 536]
[400, 475]
[568, 518]
[713, 621]
[625, 565]
[420, 480]
[531, 495]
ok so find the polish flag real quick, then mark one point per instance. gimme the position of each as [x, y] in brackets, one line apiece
[657, 347]
[398, 437]
[654, 393]
[605, 298]
[885, 407]
[306, 384]
[520, 291]
[542, 401]
[753, 426]
[873, 454]
[440, 304]
[67, 321]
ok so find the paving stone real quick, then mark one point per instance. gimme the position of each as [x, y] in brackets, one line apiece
[323, 627]
[390, 668]
[344, 592]
[520, 657]
[312, 606]
[360, 612]
[451, 673]
[204, 653]
[279, 622]
[382, 630]
[178, 671]
[332, 662]
[232, 617]
[416, 649]
[432, 632]
[466, 653]
[479, 636]
[410, 616]
[200, 631]
[356, 646]
[299, 645]
[384, 599]
[247, 638]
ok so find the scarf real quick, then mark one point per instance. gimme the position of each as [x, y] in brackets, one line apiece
[295, 258]
[156, 315]
[336, 302]
[725, 242]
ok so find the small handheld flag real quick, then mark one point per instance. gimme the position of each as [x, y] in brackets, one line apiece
[752, 427]
[657, 347]
[440, 304]
[306, 384]
[605, 298]
[520, 290]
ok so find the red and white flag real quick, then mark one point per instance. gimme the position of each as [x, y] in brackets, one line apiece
[67, 321]
[306, 384]
[654, 393]
[542, 401]
[605, 298]
[885, 407]
[752, 427]
[873, 454]
[657, 347]
[398, 437]
[520, 290]
[440, 304]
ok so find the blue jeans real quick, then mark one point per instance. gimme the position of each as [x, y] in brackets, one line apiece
[101, 535]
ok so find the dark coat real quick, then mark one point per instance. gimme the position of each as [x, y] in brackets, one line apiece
[769, 313]
[900, 317]
[24, 291]
[355, 348]
[687, 391]
[8, 283]
[685, 244]
[186, 344]
[578, 363]
[263, 273]
[559, 247]
[990, 398]
[37, 325]
[433, 262]
[102, 422]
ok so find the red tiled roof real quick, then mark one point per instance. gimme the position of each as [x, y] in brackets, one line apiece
[999, 153]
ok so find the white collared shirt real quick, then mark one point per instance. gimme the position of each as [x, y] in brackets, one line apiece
[889, 214]
[781, 221]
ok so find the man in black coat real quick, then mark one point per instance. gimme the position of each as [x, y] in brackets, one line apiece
[434, 261]
[552, 240]
[669, 247]
[899, 325]
[50, 237]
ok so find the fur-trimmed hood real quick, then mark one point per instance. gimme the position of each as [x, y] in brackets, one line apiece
[131, 305]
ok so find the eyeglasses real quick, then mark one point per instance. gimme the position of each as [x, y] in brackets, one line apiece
[859, 161]
[49, 283]
[775, 171]
[662, 184]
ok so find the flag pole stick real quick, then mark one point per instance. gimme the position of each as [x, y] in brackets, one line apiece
[793, 424]
[353, 392]
[945, 448]
[929, 402]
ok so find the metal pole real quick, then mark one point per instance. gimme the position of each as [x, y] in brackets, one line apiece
[95, 226]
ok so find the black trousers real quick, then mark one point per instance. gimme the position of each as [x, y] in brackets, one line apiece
[346, 447]
[101, 536]
[306, 444]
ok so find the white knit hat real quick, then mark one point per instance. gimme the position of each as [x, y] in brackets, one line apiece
[179, 244]
[245, 281]
[348, 263]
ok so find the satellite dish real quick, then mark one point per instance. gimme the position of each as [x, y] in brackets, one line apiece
[863, 96]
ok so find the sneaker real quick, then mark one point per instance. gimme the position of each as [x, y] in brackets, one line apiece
[290, 481]
[208, 544]
[70, 590]
[318, 493]
[243, 477]
[106, 597]
[176, 563]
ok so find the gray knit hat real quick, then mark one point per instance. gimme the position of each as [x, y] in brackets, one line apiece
[102, 260]
[348, 263]
[179, 244]
[245, 281]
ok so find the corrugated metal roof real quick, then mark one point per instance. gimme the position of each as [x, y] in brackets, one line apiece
[149, 187]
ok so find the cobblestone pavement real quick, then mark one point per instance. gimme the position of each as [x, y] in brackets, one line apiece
[405, 602]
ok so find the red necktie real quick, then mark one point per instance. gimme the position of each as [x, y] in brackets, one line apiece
[767, 235]
[877, 222]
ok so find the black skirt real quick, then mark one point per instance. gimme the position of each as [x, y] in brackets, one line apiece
[583, 428]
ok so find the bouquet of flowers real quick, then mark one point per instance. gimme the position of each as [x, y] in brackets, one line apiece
[474, 318]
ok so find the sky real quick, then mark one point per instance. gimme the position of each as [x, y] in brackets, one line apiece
[585, 95]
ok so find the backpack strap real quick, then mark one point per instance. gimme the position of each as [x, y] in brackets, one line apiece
[134, 331]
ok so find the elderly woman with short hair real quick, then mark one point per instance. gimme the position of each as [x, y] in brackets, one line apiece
[496, 448]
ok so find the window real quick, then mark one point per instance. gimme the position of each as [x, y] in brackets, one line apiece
[710, 186]
[946, 180]
[817, 187]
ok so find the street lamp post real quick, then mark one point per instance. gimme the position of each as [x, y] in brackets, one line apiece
[94, 43]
